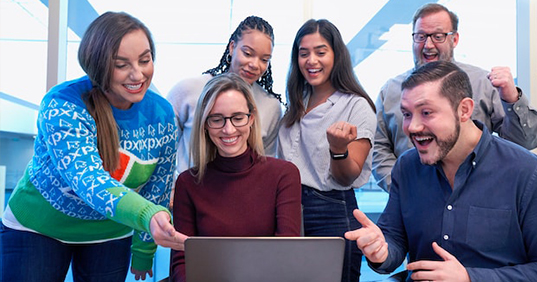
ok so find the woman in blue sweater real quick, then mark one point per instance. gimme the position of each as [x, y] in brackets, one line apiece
[102, 166]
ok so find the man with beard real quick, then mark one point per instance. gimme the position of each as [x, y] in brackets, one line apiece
[463, 203]
[499, 104]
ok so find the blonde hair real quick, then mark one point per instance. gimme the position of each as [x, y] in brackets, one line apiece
[202, 148]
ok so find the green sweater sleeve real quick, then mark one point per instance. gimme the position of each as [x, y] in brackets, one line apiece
[135, 211]
[142, 252]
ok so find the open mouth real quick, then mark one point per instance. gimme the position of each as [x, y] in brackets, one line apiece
[423, 140]
[313, 71]
[430, 56]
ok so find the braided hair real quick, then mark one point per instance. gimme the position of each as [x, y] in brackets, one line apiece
[250, 23]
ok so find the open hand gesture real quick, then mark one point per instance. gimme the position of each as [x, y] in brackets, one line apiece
[450, 269]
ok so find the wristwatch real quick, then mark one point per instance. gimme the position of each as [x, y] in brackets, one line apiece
[339, 156]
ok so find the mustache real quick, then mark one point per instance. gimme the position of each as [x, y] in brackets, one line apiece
[426, 50]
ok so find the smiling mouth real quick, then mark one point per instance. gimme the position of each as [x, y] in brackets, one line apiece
[314, 70]
[229, 139]
[249, 74]
[423, 140]
[133, 87]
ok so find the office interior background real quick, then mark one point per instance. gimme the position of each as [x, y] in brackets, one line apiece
[39, 41]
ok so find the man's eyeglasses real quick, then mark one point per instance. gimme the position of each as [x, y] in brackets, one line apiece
[438, 37]
[219, 121]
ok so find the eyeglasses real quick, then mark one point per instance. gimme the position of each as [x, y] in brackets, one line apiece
[437, 37]
[219, 121]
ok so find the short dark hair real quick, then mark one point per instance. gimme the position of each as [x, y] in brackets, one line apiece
[433, 8]
[455, 83]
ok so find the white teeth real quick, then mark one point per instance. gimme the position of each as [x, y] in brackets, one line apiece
[420, 139]
[229, 140]
[314, 70]
[133, 86]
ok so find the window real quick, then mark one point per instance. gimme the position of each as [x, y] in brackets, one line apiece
[190, 38]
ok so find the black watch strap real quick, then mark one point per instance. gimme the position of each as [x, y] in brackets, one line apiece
[339, 156]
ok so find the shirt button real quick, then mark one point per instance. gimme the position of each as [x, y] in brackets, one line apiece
[446, 237]
[449, 207]
[509, 109]
[524, 125]
[474, 163]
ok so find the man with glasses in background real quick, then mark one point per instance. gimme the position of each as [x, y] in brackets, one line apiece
[500, 105]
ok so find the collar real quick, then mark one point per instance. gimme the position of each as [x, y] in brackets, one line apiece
[238, 163]
[335, 97]
[479, 150]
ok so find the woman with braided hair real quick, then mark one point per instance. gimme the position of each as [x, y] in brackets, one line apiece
[247, 54]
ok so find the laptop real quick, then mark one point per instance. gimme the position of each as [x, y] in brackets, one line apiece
[260, 259]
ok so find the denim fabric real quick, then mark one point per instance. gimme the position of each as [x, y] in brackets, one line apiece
[329, 213]
[28, 257]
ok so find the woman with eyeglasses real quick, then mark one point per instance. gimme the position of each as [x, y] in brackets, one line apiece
[233, 189]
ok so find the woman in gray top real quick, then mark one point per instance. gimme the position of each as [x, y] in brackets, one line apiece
[247, 54]
[327, 133]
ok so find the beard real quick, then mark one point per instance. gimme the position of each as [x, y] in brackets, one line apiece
[442, 56]
[444, 145]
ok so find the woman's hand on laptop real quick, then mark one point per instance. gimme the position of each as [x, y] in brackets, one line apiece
[164, 234]
[369, 238]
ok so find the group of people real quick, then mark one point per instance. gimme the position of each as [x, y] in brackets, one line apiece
[109, 153]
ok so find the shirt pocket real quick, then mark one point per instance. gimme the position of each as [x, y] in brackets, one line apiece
[488, 229]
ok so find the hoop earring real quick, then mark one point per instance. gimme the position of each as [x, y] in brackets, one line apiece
[228, 59]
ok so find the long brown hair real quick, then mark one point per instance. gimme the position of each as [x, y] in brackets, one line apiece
[96, 54]
[342, 77]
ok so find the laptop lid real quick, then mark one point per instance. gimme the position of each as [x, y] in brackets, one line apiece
[259, 259]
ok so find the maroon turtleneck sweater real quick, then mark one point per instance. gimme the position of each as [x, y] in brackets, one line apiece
[239, 196]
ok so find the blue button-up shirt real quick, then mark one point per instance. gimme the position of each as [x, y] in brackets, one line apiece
[488, 221]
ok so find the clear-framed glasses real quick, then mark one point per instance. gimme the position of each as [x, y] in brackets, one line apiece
[437, 37]
[219, 121]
